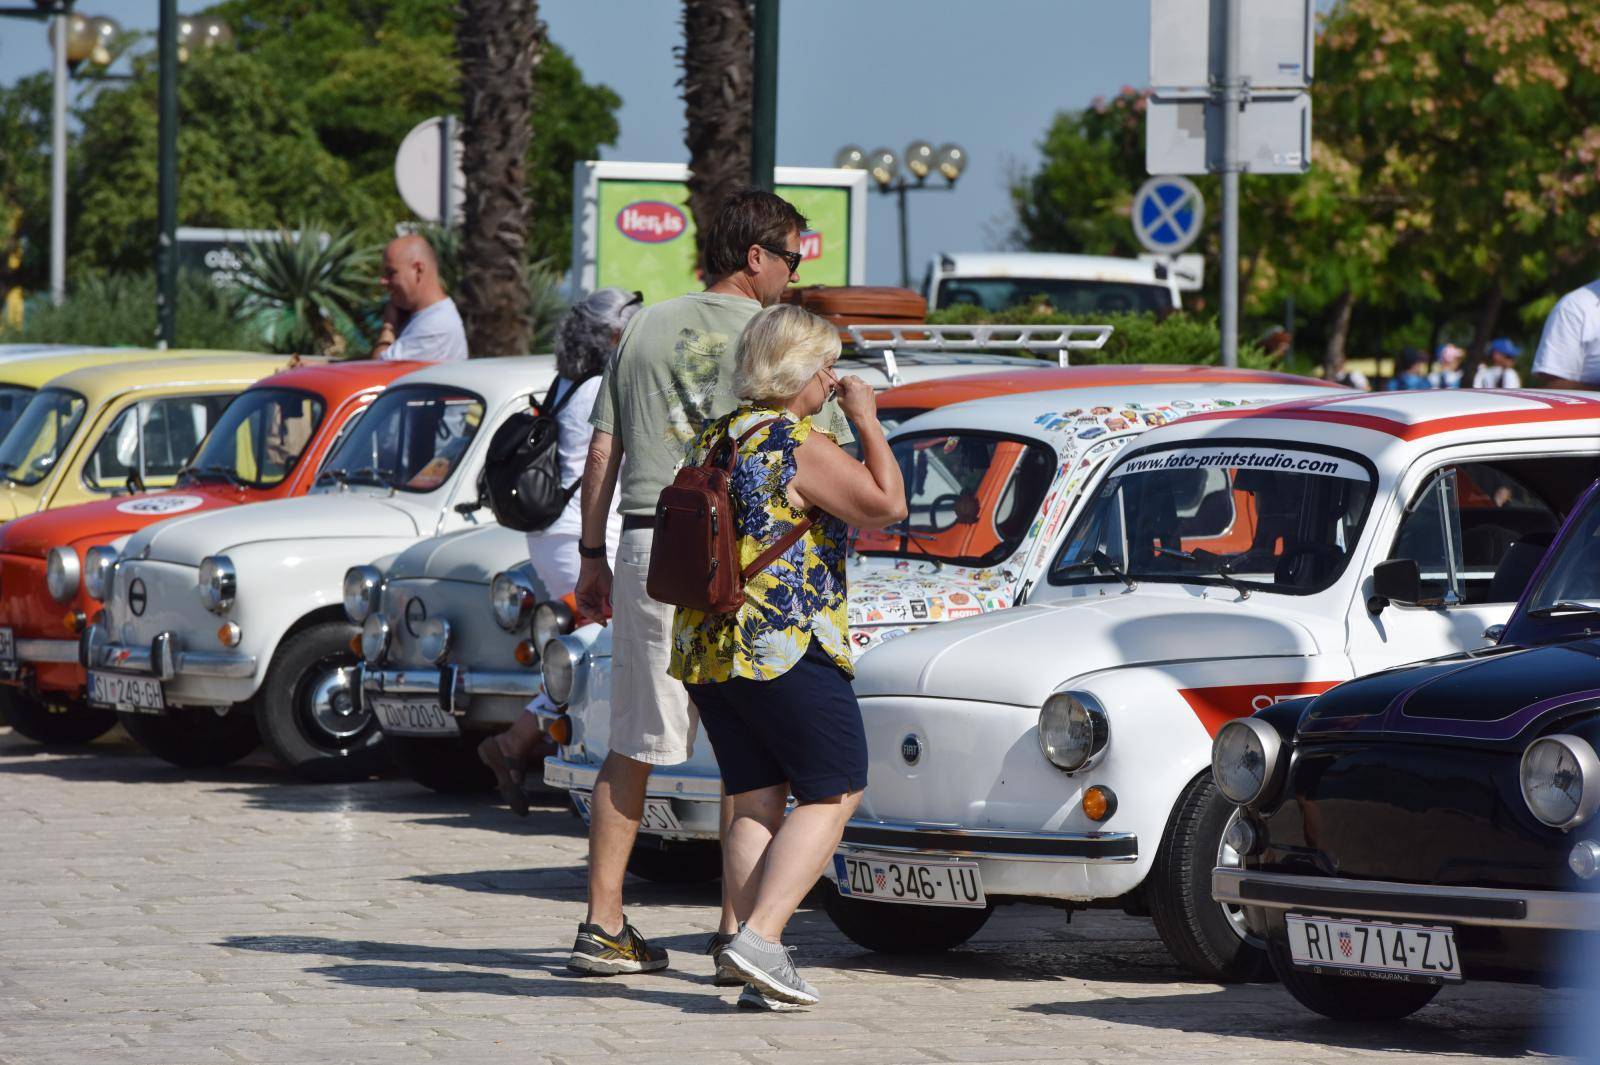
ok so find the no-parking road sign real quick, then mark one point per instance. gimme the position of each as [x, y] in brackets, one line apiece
[1167, 214]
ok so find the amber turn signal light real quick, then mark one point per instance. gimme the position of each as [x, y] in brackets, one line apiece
[525, 654]
[74, 621]
[560, 730]
[228, 634]
[1099, 803]
[355, 645]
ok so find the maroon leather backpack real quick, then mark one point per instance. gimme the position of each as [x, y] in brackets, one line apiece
[694, 558]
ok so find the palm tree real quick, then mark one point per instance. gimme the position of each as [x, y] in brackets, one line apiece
[308, 289]
[718, 78]
[498, 43]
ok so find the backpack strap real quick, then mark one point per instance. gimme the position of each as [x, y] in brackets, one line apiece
[786, 541]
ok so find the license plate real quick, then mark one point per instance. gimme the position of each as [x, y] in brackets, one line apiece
[8, 648]
[414, 717]
[919, 883]
[658, 813]
[125, 692]
[1374, 948]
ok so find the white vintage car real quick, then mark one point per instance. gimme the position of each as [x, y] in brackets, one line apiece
[1060, 751]
[218, 623]
[436, 702]
[990, 485]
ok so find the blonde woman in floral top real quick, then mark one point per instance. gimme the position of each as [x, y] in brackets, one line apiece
[772, 679]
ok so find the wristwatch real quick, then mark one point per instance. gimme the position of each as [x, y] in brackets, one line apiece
[591, 552]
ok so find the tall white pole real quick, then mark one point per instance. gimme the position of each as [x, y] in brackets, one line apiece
[58, 168]
[1232, 102]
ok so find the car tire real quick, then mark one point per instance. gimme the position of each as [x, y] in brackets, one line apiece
[674, 862]
[307, 711]
[898, 928]
[1196, 929]
[449, 766]
[60, 724]
[1349, 998]
[194, 738]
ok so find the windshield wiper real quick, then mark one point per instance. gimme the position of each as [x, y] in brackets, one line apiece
[1218, 565]
[370, 475]
[1564, 606]
[200, 473]
[911, 538]
[1104, 563]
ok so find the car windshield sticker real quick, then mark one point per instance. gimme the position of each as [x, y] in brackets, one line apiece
[163, 505]
[1242, 458]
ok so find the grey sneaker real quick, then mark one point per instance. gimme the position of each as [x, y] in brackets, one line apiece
[751, 998]
[714, 947]
[767, 966]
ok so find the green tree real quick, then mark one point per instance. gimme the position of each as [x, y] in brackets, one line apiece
[25, 183]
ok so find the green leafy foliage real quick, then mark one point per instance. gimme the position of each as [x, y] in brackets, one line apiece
[120, 310]
[1135, 338]
[308, 295]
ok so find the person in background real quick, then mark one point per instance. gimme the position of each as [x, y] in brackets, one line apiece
[1500, 369]
[585, 342]
[1410, 371]
[1569, 348]
[1448, 359]
[420, 322]
[1350, 378]
[772, 679]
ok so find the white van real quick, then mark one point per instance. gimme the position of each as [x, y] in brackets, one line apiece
[1073, 284]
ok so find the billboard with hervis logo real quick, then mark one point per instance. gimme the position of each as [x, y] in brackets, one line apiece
[632, 227]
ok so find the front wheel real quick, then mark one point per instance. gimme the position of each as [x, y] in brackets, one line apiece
[308, 712]
[58, 724]
[449, 766]
[900, 928]
[194, 739]
[675, 862]
[1349, 998]
[1206, 937]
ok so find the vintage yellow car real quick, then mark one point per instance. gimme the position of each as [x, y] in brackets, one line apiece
[116, 426]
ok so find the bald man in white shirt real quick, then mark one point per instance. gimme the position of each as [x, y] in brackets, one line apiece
[420, 322]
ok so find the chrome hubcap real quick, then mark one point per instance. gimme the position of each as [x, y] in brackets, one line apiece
[330, 705]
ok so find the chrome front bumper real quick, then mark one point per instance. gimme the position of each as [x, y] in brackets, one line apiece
[1575, 911]
[164, 658]
[43, 650]
[915, 837]
[696, 800]
[520, 684]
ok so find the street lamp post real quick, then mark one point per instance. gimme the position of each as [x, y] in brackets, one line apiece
[921, 159]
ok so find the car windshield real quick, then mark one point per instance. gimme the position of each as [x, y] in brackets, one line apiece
[410, 439]
[1064, 295]
[1267, 518]
[30, 450]
[259, 439]
[13, 398]
[1571, 583]
[972, 497]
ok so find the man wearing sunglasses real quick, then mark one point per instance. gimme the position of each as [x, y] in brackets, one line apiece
[672, 373]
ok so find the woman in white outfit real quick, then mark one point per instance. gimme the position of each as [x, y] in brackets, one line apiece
[587, 338]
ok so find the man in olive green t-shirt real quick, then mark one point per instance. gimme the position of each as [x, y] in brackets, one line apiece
[672, 373]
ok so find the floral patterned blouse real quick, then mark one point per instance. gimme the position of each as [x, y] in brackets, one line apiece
[800, 597]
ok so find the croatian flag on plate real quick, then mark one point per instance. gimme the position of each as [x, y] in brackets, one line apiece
[1345, 944]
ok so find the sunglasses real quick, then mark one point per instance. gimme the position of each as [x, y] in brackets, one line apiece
[791, 257]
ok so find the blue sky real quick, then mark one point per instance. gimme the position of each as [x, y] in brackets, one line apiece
[987, 76]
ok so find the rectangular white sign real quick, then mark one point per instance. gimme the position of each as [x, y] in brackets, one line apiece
[1183, 135]
[1277, 41]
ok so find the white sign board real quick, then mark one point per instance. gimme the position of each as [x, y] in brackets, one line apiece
[1167, 214]
[1277, 41]
[1188, 271]
[419, 168]
[1184, 135]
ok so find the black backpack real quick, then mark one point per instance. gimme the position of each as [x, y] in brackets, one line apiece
[522, 471]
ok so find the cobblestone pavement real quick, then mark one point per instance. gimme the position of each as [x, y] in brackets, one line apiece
[157, 917]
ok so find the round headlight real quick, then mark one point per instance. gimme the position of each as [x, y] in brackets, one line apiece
[1073, 728]
[97, 566]
[561, 657]
[362, 586]
[219, 583]
[61, 572]
[374, 638]
[433, 639]
[511, 596]
[551, 618]
[1243, 756]
[1561, 780]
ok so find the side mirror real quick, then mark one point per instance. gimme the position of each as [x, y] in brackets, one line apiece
[1494, 632]
[1398, 580]
[469, 508]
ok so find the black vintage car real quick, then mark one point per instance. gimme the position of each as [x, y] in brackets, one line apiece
[1433, 823]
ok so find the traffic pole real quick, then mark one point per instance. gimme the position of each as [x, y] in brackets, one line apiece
[764, 106]
[1232, 102]
[58, 162]
[167, 180]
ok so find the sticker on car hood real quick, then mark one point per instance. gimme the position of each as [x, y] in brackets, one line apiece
[1242, 458]
[160, 505]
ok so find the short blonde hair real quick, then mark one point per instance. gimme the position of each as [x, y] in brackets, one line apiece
[779, 351]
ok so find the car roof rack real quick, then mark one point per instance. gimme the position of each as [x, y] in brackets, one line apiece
[887, 339]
